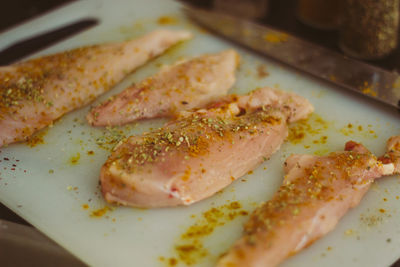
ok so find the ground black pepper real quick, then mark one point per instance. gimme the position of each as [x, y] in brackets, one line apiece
[370, 28]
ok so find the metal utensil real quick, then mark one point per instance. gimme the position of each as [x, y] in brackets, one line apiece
[355, 75]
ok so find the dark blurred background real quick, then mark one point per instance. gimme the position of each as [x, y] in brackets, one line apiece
[281, 14]
[17, 11]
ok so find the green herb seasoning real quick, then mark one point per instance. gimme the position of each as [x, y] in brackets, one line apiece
[370, 28]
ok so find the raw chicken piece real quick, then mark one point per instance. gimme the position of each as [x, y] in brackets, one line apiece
[36, 92]
[393, 153]
[316, 193]
[182, 86]
[202, 151]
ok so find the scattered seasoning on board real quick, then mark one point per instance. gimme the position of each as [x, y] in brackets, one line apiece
[74, 160]
[374, 218]
[262, 71]
[370, 28]
[358, 130]
[37, 138]
[167, 20]
[110, 138]
[371, 220]
[348, 232]
[312, 126]
[11, 164]
[189, 248]
[100, 212]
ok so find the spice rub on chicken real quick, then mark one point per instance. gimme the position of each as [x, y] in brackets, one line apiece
[201, 152]
[35, 92]
[183, 86]
[392, 154]
[316, 193]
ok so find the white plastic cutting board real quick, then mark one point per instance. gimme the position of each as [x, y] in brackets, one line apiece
[50, 184]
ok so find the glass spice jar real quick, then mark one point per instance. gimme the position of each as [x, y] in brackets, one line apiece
[321, 14]
[370, 28]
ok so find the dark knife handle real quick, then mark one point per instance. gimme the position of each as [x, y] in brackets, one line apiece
[34, 44]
